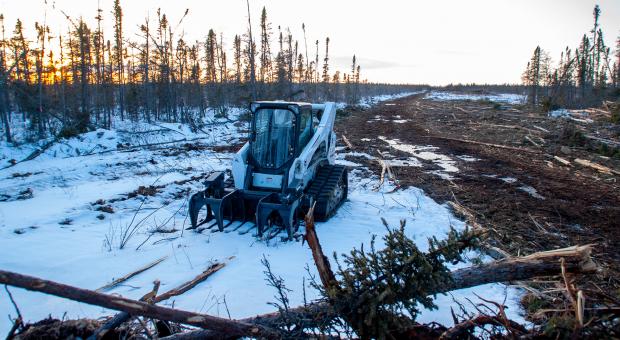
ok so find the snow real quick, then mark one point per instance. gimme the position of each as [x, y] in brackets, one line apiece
[58, 233]
[367, 102]
[509, 179]
[378, 118]
[532, 191]
[575, 115]
[403, 162]
[370, 101]
[523, 187]
[426, 153]
[506, 98]
[467, 158]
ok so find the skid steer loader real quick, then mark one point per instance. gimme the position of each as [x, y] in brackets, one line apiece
[286, 167]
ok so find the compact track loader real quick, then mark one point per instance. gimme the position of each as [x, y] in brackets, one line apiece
[286, 167]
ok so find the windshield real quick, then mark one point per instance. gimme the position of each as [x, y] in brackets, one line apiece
[273, 143]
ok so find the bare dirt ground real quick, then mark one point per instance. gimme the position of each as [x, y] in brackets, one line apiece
[572, 203]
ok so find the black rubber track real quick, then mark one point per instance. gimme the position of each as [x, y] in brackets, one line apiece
[323, 189]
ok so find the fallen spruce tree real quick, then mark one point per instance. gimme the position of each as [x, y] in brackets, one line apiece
[373, 293]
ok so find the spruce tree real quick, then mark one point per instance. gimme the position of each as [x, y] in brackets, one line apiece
[300, 69]
[583, 66]
[237, 58]
[210, 50]
[616, 67]
[326, 62]
[4, 95]
[118, 54]
[595, 56]
[98, 41]
[532, 76]
[251, 50]
[316, 61]
[307, 74]
[38, 119]
[145, 57]
[265, 50]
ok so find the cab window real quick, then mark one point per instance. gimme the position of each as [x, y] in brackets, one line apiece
[306, 129]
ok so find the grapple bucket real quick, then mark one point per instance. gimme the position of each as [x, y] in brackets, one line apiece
[274, 208]
[265, 209]
[220, 203]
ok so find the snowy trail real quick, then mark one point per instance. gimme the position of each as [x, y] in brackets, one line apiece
[78, 253]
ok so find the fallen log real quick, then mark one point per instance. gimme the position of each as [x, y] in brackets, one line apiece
[347, 142]
[596, 166]
[540, 314]
[189, 284]
[562, 160]
[499, 146]
[462, 110]
[604, 141]
[541, 128]
[124, 278]
[231, 328]
[531, 141]
[36, 153]
[461, 330]
[328, 279]
[505, 126]
[200, 334]
[143, 146]
[122, 317]
[577, 261]
[466, 213]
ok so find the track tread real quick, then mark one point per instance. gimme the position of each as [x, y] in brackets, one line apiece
[322, 188]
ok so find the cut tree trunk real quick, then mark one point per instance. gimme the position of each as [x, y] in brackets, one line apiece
[130, 275]
[231, 328]
[122, 317]
[577, 261]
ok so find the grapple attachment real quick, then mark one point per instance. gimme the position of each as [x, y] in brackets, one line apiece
[279, 209]
[217, 200]
[264, 209]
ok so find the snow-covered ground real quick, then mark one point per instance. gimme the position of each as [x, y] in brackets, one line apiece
[576, 115]
[505, 98]
[370, 101]
[63, 216]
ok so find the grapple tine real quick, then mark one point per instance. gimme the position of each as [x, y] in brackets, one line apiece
[272, 233]
[217, 206]
[263, 211]
[285, 208]
[196, 202]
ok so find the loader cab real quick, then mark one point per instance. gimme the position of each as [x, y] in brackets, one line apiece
[279, 133]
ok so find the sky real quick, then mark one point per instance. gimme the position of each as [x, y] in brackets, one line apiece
[397, 41]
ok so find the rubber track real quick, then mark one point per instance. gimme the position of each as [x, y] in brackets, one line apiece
[322, 187]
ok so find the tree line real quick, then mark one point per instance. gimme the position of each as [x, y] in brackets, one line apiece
[583, 76]
[64, 84]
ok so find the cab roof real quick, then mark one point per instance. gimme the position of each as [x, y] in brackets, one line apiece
[280, 103]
